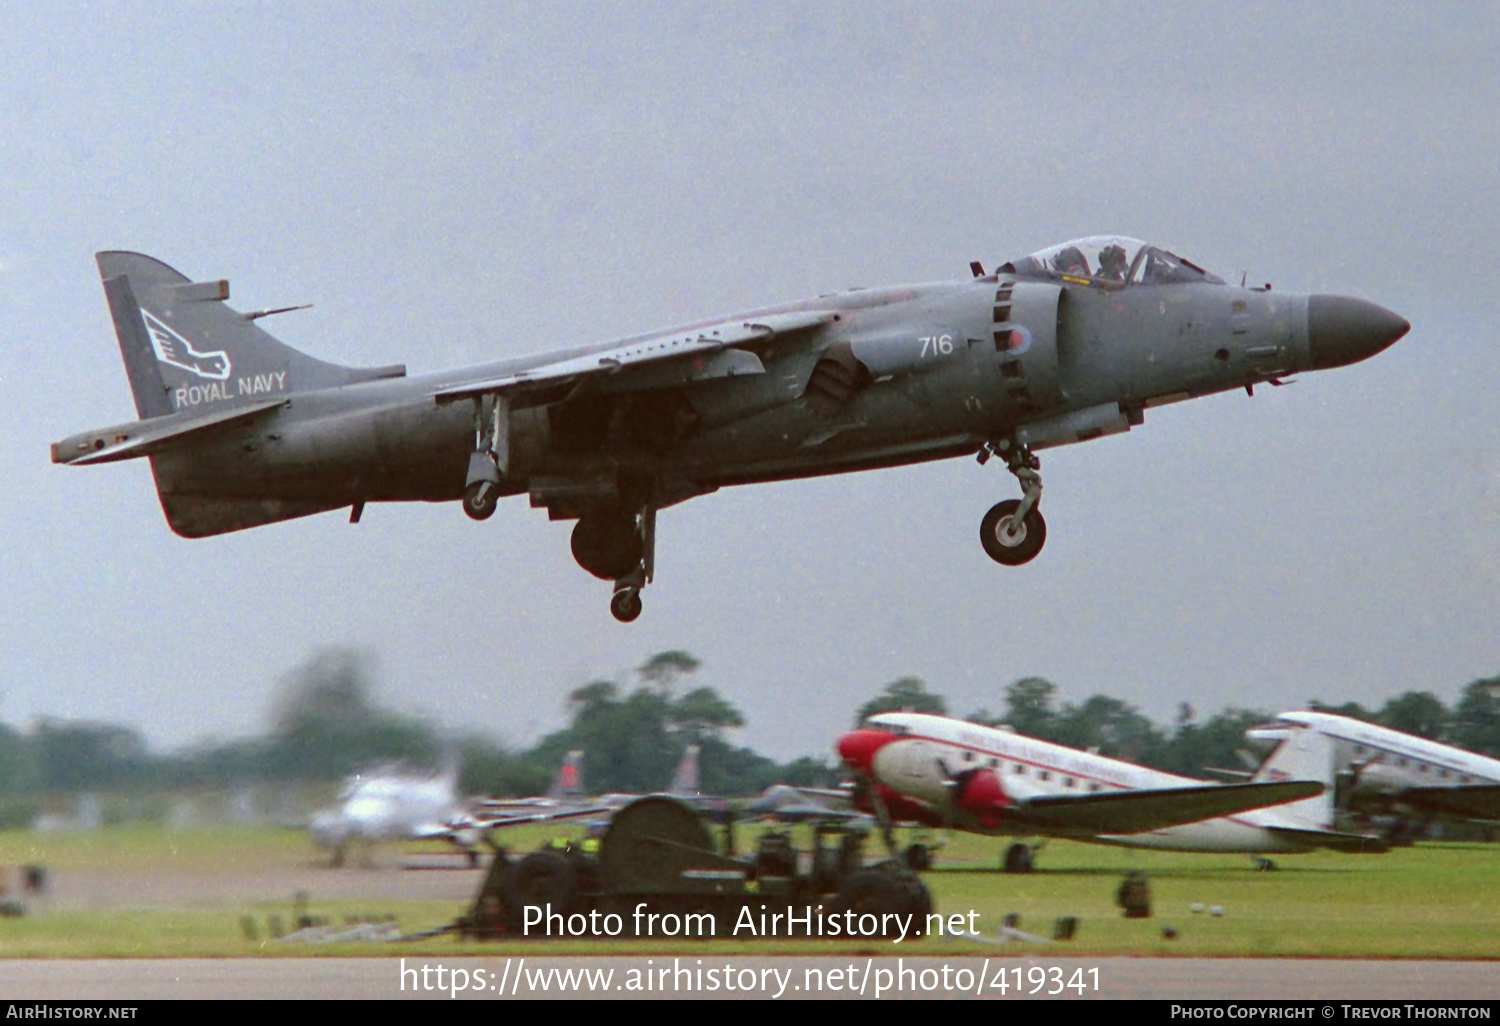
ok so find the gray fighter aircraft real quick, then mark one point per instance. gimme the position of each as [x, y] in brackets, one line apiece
[1062, 346]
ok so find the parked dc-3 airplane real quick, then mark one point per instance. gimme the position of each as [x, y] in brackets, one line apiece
[1386, 774]
[950, 773]
[1062, 346]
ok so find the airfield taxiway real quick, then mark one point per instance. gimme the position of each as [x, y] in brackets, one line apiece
[84, 889]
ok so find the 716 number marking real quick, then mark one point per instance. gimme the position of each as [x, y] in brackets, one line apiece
[936, 345]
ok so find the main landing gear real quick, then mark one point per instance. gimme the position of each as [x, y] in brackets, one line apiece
[1013, 531]
[620, 547]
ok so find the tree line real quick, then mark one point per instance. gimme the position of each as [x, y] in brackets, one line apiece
[326, 725]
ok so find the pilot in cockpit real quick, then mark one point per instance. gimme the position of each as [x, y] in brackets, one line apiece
[1113, 265]
[1070, 260]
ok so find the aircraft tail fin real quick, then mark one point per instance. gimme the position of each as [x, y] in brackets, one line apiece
[1302, 755]
[685, 782]
[569, 780]
[186, 351]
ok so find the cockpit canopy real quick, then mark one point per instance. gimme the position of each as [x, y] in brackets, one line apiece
[1110, 260]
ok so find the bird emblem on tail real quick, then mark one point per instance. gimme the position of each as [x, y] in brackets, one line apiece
[171, 348]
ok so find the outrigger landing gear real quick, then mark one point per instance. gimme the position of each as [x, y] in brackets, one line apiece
[490, 458]
[481, 495]
[1013, 531]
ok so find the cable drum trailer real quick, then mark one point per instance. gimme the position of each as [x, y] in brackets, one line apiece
[660, 851]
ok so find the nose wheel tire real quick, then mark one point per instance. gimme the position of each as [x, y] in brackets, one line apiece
[480, 499]
[626, 605]
[1008, 542]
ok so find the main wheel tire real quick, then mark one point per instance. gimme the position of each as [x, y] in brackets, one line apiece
[873, 892]
[607, 546]
[1018, 859]
[918, 858]
[625, 606]
[1009, 545]
[542, 878]
[480, 499]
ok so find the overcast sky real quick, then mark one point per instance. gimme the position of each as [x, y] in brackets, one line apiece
[452, 183]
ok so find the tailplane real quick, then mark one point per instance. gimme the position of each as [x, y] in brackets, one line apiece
[188, 352]
[569, 780]
[685, 783]
[1302, 755]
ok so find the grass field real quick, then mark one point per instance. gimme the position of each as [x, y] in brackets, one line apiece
[154, 892]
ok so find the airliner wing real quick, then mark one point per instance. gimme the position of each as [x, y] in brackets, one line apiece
[1135, 812]
[697, 354]
[1335, 840]
[1462, 802]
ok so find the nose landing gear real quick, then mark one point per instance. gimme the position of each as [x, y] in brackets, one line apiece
[1013, 531]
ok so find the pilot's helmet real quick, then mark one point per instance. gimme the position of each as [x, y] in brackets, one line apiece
[1070, 260]
[1112, 261]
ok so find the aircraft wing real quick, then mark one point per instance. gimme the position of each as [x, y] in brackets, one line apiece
[144, 437]
[1336, 840]
[694, 355]
[521, 817]
[1135, 812]
[433, 831]
[1463, 802]
[1224, 773]
[842, 794]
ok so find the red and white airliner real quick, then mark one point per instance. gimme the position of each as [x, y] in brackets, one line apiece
[945, 772]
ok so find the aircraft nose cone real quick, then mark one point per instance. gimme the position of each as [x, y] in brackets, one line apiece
[1342, 330]
[857, 748]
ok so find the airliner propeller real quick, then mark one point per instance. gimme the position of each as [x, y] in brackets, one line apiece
[977, 790]
[1347, 780]
[864, 785]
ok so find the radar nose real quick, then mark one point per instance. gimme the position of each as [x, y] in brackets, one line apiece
[1342, 330]
[858, 747]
